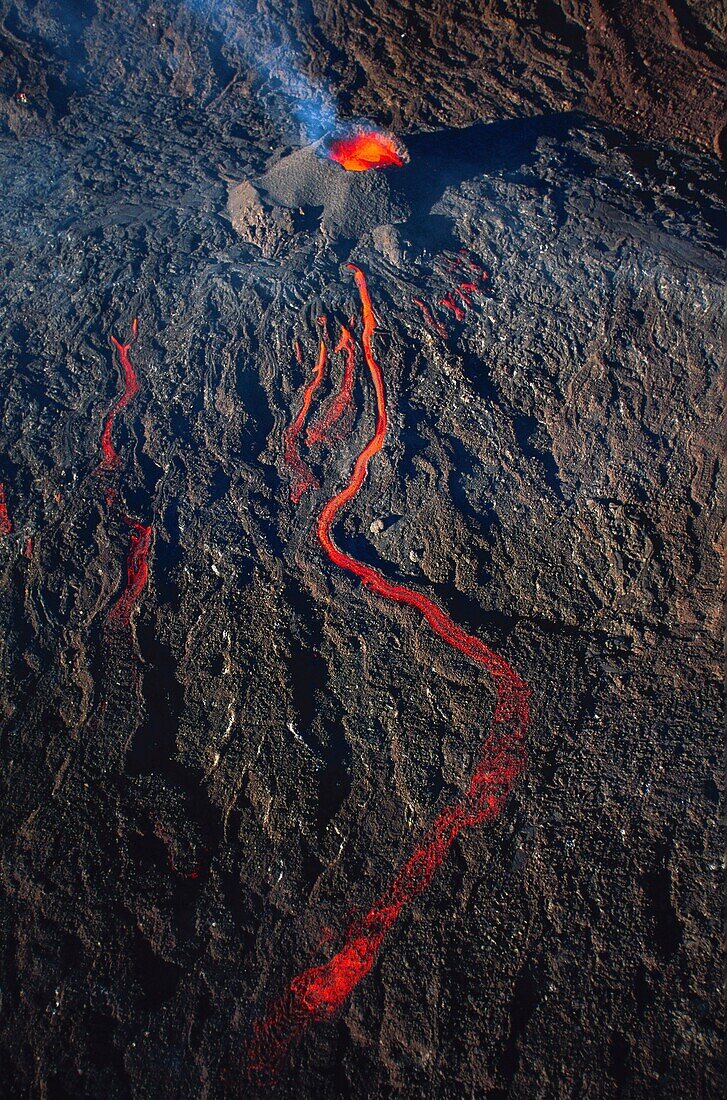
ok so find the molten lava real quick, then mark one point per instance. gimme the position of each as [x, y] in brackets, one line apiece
[303, 478]
[367, 149]
[429, 320]
[131, 387]
[449, 303]
[137, 572]
[316, 993]
[466, 290]
[323, 429]
[5, 524]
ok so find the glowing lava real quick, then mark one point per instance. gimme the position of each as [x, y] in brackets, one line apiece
[137, 572]
[449, 303]
[131, 387]
[318, 992]
[303, 478]
[322, 430]
[467, 290]
[364, 150]
[430, 321]
[5, 523]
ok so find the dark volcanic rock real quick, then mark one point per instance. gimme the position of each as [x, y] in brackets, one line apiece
[195, 802]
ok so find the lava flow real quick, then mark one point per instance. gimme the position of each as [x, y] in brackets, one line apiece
[317, 992]
[131, 387]
[449, 303]
[303, 478]
[137, 572]
[5, 524]
[364, 150]
[466, 290]
[429, 320]
[322, 430]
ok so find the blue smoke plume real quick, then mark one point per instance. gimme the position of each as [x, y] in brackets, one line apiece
[269, 51]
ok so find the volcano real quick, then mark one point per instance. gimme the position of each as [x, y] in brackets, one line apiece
[360, 535]
[306, 189]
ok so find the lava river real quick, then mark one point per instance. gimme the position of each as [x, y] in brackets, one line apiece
[137, 570]
[304, 478]
[131, 387]
[318, 992]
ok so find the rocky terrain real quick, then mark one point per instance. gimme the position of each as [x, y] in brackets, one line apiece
[218, 748]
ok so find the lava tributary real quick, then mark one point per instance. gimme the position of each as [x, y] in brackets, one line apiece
[131, 387]
[5, 524]
[366, 149]
[303, 478]
[429, 319]
[326, 428]
[137, 572]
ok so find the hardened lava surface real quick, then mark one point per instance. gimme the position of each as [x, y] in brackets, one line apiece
[219, 748]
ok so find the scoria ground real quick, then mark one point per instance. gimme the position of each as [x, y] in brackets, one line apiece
[219, 748]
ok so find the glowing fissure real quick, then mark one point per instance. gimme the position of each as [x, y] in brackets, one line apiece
[131, 387]
[137, 572]
[466, 292]
[317, 992]
[5, 523]
[303, 477]
[322, 429]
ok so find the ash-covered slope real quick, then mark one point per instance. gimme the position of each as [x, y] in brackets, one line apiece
[217, 748]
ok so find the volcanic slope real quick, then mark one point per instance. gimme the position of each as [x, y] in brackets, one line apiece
[195, 814]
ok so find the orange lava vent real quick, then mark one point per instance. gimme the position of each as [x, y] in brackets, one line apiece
[366, 149]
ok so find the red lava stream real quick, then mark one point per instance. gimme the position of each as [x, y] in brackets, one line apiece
[303, 477]
[318, 992]
[321, 430]
[131, 387]
[449, 303]
[430, 321]
[5, 521]
[137, 572]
